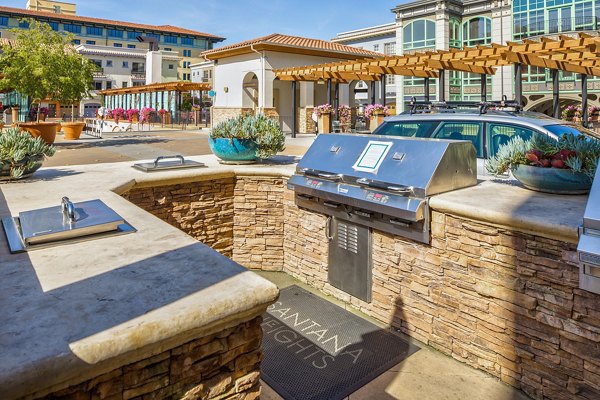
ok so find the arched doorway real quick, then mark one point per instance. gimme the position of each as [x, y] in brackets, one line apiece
[250, 91]
[544, 105]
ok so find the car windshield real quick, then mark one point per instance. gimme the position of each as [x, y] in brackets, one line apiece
[571, 129]
[421, 129]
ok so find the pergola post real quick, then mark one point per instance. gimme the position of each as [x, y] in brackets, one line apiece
[555, 95]
[383, 89]
[294, 106]
[518, 83]
[337, 101]
[483, 87]
[584, 100]
[442, 85]
[329, 101]
[372, 92]
[426, 89]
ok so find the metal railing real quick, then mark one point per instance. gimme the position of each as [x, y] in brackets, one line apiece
[550, 26]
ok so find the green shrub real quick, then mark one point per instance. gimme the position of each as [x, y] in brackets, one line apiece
[20, 153]
[263, 131]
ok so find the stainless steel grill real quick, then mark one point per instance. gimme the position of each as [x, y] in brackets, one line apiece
[588, 249]
[380, 182]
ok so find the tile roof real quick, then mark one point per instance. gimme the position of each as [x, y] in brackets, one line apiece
[298, 42]
[132, 25]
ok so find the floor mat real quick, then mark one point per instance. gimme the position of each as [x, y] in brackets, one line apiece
[314, 349]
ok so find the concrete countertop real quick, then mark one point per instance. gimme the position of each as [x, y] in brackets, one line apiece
[73, 311]
[505, 203]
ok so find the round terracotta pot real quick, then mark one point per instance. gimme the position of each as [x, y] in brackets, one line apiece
[72, 130]
[45, 130]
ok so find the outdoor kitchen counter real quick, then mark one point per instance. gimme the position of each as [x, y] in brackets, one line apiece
[78, 310]
[507, 204]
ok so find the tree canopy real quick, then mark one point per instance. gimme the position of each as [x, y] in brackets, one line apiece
[43, 63]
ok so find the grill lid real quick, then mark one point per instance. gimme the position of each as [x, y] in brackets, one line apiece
[406, 166]
[591, 218]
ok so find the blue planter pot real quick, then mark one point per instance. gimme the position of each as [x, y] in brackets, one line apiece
[233, 151]
[552, 180]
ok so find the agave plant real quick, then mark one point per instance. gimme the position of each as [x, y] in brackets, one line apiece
[577, 153]
[21, 154]
[262, 130]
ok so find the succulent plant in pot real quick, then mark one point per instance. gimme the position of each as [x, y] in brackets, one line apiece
[245, 138]
[565, 166]
[21, 154]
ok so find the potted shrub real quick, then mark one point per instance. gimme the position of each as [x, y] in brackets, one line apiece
[133, 115]
[243, 139]
[375, 113]
[146, 115]
[165, 116]
[593, 113]
[345, 116]
[21, 154]
[566, 166]
[41, 64]
[324, 116]
[118, 114]
[568, 113]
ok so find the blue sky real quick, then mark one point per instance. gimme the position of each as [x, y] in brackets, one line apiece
[239, 20]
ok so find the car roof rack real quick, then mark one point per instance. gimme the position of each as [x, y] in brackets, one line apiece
[450, 106]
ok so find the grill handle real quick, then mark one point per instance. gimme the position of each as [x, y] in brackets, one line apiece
[68, 208]
[381, 185]
[180, 157]
[328, 233]
[324, 175]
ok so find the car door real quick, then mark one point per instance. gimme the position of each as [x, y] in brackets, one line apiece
[462, 130]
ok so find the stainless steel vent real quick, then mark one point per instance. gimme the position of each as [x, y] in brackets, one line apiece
[66, 222]
[588, 249]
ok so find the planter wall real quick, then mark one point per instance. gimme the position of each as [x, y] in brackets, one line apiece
[375, 120]
[324, 123]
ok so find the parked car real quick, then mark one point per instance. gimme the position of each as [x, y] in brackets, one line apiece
[487, 131]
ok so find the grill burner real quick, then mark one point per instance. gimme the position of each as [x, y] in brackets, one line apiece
[66, 222]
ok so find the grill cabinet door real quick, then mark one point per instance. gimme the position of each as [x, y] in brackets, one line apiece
[350, 258]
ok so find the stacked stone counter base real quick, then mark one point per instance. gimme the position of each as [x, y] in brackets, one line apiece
[224, 366]
[497, 297]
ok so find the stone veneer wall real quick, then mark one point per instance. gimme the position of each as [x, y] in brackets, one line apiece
[305, 122]
[499, 300]
[203, 210]
[224, 366]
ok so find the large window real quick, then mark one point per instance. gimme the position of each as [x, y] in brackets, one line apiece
[72, 28]
[538, 17]
[3, 21]
[153, 35]
[94, 30]
[477, 31]
[115, 33]
[170, 39]
[454, 27]
[53, 25]
[187, 41]
[419, 33]
[133, 35]
[389, 49]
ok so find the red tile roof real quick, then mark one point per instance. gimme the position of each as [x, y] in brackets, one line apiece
[296, 42]
[77, 18]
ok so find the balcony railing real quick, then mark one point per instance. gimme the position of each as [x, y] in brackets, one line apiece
[551, 26]
[138, 70]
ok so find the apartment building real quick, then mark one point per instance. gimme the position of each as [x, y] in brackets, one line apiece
[381, 39]
[186, 43]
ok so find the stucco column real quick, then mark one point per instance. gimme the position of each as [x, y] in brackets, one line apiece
[442, 41]
[399, 51]
[502, 81]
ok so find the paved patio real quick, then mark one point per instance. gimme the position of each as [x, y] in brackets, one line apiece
[426, 375]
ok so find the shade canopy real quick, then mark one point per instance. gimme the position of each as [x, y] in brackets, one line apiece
[181, 86]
